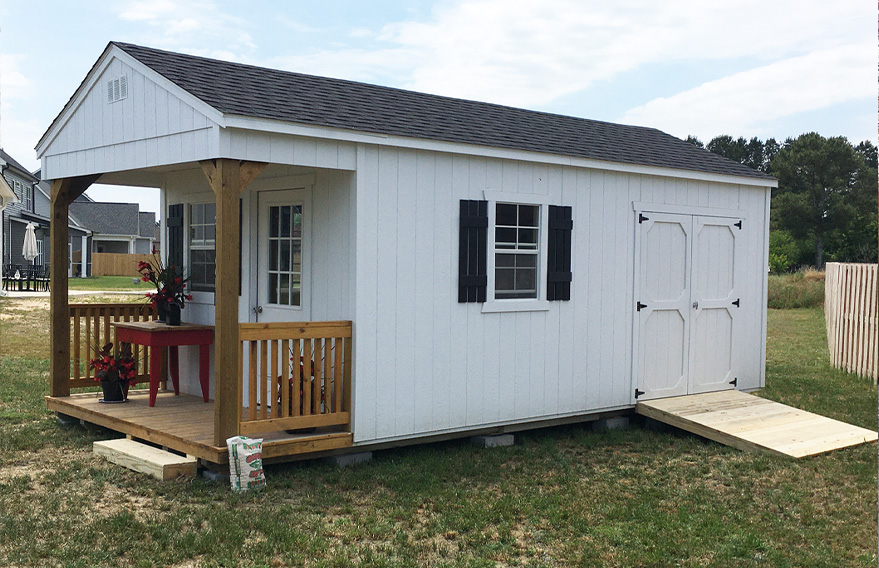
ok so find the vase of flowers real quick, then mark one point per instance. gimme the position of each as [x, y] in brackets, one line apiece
[116, 371]
[170, 296]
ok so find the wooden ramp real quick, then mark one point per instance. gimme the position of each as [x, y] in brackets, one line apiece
[751, 423]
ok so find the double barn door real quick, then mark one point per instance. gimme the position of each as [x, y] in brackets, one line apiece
[686, 304]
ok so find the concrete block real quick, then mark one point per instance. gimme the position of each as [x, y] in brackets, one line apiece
[496, 441]
[346, 460]
[216, 476]
[66, 420]
[615, 423]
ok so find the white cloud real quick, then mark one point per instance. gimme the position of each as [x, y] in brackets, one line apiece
[527, 53]
[189, 25]
[14, 84]
[744, 102]
[17, 139]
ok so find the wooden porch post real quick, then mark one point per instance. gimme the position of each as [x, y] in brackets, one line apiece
[63, 191]
[227, 178]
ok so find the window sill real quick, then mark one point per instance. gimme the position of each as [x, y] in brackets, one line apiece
[502, 306]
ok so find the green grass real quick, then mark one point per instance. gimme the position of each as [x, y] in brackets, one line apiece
[559, 497]
[108, 283]
[797, 290]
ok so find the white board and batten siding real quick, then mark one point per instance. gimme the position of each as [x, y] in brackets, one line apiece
[158, 124]
[151, 126]
[426, 364]
[331, 195]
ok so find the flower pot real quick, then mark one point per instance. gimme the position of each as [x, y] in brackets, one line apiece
[173, 314]
[113, 391]
[163, 312]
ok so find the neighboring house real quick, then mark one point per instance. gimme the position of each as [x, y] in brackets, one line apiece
[500, 266]
[7, 197]
[26, 210]
[119, 228]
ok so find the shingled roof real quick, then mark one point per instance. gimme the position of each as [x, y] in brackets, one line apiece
[108, 218]
[245, 90]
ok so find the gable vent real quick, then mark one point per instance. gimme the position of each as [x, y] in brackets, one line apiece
[117, 89]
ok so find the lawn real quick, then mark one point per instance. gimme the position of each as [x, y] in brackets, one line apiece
[559, 497]
[109, 283]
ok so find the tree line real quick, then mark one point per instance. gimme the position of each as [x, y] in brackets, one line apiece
[825, 206]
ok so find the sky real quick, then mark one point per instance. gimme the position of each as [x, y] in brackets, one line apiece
[764, 68]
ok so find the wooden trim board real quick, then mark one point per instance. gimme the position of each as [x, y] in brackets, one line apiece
[755, 424]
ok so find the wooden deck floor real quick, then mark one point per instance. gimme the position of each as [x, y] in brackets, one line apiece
[751, 423]
[184, 423]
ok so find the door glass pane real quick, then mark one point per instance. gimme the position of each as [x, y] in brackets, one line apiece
[285, 255]
[273, 221]
[285, 221]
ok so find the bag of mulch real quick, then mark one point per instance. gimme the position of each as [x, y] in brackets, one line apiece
[245, 463]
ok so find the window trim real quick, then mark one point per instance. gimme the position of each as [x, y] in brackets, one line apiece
[188, 248]
[495, 305]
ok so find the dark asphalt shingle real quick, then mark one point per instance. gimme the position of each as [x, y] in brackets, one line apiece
[108, 218]
[245, 90]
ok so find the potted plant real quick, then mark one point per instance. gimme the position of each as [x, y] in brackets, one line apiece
[170, 296]
[116, 371]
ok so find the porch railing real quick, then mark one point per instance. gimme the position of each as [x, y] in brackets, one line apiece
[297, 375]
[90, 328]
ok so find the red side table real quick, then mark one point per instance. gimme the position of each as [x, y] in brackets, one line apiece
[156, 336]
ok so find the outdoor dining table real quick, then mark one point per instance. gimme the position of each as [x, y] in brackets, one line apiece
[157, 336]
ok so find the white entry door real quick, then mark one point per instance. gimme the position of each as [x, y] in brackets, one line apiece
[686, 304]
[283, 256]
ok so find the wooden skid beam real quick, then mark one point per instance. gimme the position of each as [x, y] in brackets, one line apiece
[146, 459]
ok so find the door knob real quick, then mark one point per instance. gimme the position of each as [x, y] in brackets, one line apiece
[257, 309]
[696, 305]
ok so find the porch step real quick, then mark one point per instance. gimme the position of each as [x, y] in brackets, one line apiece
[146, 459]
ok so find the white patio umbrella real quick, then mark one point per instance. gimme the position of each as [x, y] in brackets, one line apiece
[29, 248]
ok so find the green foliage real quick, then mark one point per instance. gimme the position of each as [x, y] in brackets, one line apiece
[826, 198]
[754, 152]
[826, 191]
[784, 251]
[803, 289]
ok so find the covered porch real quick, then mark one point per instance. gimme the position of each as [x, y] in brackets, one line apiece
[253, 382]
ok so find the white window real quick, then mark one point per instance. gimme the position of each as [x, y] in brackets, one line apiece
[28, 196]
[516, 251]
[39, 260]
[202, 246]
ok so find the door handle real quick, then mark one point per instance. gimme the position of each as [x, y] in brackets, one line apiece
[696, 305]
[257, 309]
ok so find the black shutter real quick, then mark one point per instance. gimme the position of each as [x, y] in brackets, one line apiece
[174, 222]
[558, 277]
[472, 266]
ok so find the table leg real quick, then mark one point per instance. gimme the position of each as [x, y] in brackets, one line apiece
[155, 372]
[203, 369]
[174, 367]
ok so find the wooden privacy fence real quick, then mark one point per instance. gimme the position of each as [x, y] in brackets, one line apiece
[850, 307]
[112, 264]
[296, 375]
[90, 329]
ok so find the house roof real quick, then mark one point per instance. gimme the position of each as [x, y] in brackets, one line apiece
[245, 90]
[108, 218]
[146, 224]
[23, 171]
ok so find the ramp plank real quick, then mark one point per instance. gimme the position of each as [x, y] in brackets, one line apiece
[751, 423]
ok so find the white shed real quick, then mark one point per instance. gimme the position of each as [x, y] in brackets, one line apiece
[498, 266]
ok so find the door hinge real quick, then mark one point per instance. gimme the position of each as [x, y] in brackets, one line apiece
[739, 224]
[639, 305]
[642, 218]
[638, 393]
[734, 382]
[736, 303]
